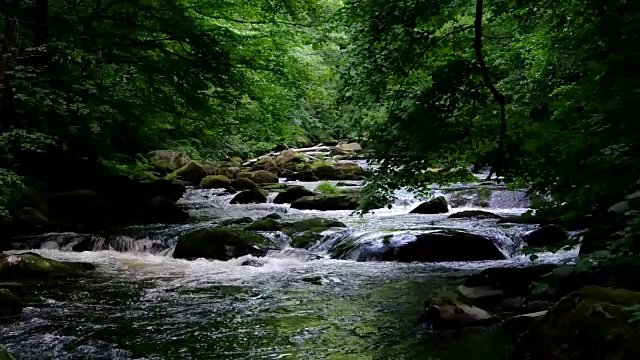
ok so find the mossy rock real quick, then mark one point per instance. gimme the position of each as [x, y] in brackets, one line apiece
[253, 196]
[312, 224]
[474, 214]
[29, 266]
[229, 171]
[221, 244]
[31, 219]
[292, 194]
[449, 309]
[327, 202]
[167, 161]
[289, 156]
[10, 304]
[305, 239]
[265, 224]
[591, 323]
[243, 184]
[341, 250]
[215, 182]
[4, 355]
[235, 159]
[274, 216]
[266, 163]
[260, 177]
[438, 205]
[238, 221]
[191, 172]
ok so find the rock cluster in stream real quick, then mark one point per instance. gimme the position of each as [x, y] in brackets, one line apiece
[547, 311]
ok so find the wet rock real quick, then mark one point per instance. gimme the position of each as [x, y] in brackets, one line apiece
[252, 262]
[434, 206]
[274, 216]
[524, 219]
[215, 182]
[243, 184]
[346, 184]
[162, 210]
[260, 176]
[513, 281]
[265, 224]
[448, 309]
[316, 223]
[326, 202]
[342, 249]
[191, 172]
[253, 196]
[238, 221]
[474, 214]
[591, 323]
[221, 244]
[315, 280]
[305, 239]
[292, 194]
[346, 149]
[545, 236]
[167, 161]
[4, 355]
[10, 305]
[169, 189]
[483, 296]
[516, 325]
[441, 245]
[28, 266]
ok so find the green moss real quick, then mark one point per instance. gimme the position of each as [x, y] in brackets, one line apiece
[4, 355]
[32, 266]
[312, 224]
[215, 181]
[305, 239]
[221, 243]
[342, 250]
[265, 224]
[327, 188]
[591, 323]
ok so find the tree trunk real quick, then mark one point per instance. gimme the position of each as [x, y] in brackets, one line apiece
[498, 165]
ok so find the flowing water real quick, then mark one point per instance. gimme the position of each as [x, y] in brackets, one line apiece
[141, 303]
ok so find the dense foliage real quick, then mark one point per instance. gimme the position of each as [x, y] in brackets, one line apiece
[566, 69]
[104, 80]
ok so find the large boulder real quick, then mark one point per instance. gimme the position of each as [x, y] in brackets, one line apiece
[243, 184]
[265, 224]
[441, 245]
[29, 266]
[266, 163]
[10, 305]
[449, 309]
[167, 161]
[170, 189]
[253, 196]
[159, 209]
[260, 176]
[591, 323]
[315, 172]
[289, 156]
[327, 202]
[237, 221]
[229, 171]
[316, 223]
[215, 182]
[292, 194]
[434, 206]
[221, 244]
[192, 173]
[346, 149]
[545, 236]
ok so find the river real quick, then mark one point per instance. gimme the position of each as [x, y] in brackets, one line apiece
[140, 303]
